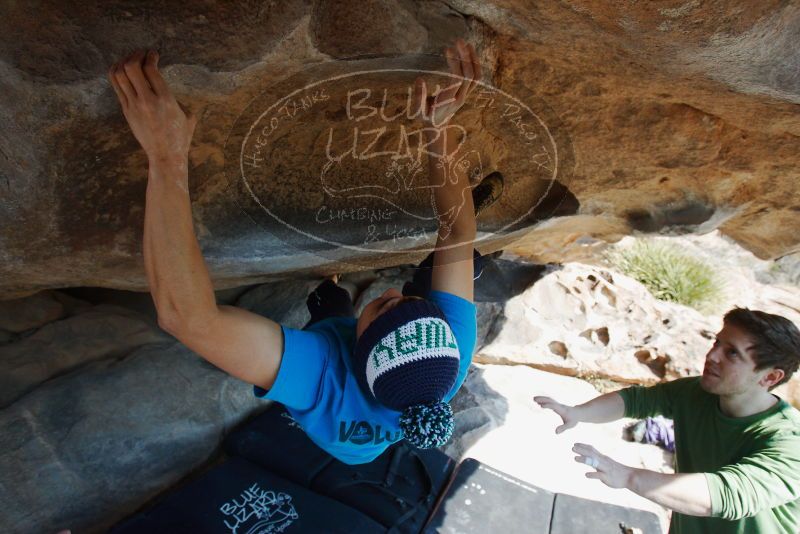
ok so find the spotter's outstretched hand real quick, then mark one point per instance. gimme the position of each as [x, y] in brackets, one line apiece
[567, 413]
[611, 473]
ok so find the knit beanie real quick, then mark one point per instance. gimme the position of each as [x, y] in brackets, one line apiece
[408, 359]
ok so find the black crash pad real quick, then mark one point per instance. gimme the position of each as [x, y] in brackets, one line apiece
[239, 497]
[276, 442]
[574, 515]
[480, 499]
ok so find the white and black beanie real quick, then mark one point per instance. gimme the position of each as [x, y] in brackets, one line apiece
[408, 359]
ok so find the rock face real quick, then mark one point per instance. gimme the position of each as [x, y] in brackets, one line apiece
[592, 321]
[104, 441]
[100, 410]
[650, 115]
[583, 321]
[60, 347]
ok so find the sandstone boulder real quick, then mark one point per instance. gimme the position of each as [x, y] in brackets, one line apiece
[19, 315]
[283, 302]
[590, 321]
[90, 447]
[661, 115]
[59, 347]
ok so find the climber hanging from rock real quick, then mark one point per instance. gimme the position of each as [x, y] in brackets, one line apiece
[397, 365]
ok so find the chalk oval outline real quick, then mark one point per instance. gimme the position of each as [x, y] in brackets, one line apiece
[404, 70]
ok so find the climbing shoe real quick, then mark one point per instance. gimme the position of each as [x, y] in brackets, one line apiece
[487, 192]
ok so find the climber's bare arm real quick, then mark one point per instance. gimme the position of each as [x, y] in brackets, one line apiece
[241, 343]
[452, 261]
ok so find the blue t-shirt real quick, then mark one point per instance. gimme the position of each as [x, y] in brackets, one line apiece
[317, 385]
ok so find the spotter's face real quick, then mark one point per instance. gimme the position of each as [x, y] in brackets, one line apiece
[729, 367]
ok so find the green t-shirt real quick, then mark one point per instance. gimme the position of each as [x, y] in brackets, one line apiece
[752, 464]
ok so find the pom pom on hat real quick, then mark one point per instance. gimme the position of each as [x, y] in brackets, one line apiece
[427, 425]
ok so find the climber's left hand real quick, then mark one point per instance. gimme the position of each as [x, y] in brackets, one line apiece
[438, 109]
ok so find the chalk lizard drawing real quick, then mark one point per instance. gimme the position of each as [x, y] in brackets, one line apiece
[272, 511]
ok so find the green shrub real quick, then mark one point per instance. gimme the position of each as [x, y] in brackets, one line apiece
[670, 274]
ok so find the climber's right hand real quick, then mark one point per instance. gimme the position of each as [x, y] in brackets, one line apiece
[157, 120]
